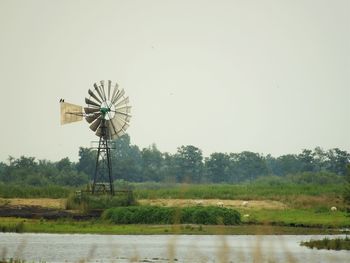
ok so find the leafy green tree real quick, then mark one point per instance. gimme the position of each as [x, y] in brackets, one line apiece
[217, 167]
[3, 168]
[306, 159]
[71, 178]
[64, 164]
[152, 162]
[127, 160]
[25, 162]
[320, 160]
[288, 164]
[188, 162]
[338, 161]
[347, 187]
[87, 161]
[247, 166]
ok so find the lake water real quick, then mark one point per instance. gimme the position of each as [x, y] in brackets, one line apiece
[163, 248]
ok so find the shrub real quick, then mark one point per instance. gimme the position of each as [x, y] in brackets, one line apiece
[207, 215]
[87, 202]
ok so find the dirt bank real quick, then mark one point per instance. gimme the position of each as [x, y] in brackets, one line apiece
[40, 202]
[60, 203]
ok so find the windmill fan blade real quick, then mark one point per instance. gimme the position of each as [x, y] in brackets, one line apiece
[114, 91]
[116, 124]
[92, 94]
[109, 89]
[123, 110]
[115, 96]
[125, 126]
[123, 118]
[123, 102]
[121, 133]
[102, 88]
[93, 117]
[90, 102]
[123, 123]
[99, 132]
[118, 96]
[111, 129]
[95, 124]
[97, 88]
[91, 110]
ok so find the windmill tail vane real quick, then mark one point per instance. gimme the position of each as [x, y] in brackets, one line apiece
[107, 111]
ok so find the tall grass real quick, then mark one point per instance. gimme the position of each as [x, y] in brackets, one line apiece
[237, 191]
[254, 191]
[26, 191]
[17, 227]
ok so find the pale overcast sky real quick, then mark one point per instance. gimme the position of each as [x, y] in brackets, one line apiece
[226, 76]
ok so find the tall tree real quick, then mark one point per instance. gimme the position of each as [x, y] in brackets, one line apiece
[306, 158]
[188, 164]
[152, 162]
[249, 165]
[127, 160]
[288, 164]
[347, 187]
[87, 161]
[217, 167]
[338, 160]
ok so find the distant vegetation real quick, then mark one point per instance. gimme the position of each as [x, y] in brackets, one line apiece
[172, 215]
[256, 190]
[28, 191]
[187, 165]
[347, 188]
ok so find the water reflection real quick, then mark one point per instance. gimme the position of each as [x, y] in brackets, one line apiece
[164, 248]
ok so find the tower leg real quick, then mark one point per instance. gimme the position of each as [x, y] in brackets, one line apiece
[103, 156]
[96, 166]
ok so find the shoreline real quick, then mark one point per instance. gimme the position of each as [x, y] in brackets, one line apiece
[20, 225]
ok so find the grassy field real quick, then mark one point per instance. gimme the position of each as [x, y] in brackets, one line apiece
[269, 206]
[103, 227]
[252, 191]
[296, 217]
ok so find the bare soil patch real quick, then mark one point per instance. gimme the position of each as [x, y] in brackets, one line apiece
[256, 204]
[38, 202]
[41, 208]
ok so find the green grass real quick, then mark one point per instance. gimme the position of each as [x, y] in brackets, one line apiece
[330, 244]
[22, 191]
[237, 191]
[103, 227]
[186, 191]
[297, 217]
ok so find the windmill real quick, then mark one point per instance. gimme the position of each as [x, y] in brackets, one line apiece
[107, 111]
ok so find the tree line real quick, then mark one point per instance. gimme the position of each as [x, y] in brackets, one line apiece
[133, 164]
